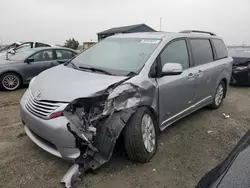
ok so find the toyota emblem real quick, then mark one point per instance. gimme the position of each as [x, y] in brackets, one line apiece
[38, 94]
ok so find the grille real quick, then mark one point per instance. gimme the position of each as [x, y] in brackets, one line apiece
[41, 108]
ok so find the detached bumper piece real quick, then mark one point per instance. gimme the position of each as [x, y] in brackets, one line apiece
[71, 176]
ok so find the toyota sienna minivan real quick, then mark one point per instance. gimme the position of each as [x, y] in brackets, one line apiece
[128, 86]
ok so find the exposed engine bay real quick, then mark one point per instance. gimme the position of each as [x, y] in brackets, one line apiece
[96, 123]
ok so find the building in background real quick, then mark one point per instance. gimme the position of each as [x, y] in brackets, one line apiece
[86, 45]
[125, 29]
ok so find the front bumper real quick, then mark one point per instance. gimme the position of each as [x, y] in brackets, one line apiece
[50, 135]
[240, 77]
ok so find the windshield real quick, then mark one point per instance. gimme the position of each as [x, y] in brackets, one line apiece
[19, 56]
[118, 56]
[23, 47]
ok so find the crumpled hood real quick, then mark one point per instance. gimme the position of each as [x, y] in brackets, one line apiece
[66, 84]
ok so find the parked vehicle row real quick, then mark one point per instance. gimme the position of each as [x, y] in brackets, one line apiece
[131, 85]
[21, 67]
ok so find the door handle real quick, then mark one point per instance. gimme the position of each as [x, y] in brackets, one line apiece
[200, 73]
[191, 76]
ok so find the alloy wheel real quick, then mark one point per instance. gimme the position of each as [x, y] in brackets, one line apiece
[10, 82]
[148, 133]
[219, 95]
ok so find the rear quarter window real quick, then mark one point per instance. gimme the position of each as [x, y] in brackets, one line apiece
[220, 48]
[201, 51]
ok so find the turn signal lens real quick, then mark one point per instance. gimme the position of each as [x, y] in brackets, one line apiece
[55, 115]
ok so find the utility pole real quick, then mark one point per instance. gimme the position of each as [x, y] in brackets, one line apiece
[1, 42]
[160, 24]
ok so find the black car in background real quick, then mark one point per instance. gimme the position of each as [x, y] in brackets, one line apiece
[241, 67]
[234, 171]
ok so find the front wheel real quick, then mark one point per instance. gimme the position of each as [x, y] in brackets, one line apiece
[140, 136]
[10, 81]
[219, 96]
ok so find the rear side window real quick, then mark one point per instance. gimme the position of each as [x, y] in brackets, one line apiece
[202, 51]
[38, 44]
[220, 48]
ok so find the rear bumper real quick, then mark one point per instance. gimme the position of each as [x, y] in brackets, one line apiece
[50, 135]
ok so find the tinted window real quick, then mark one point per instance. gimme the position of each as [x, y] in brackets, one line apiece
[38, 44]
[220, 48]
[45, 55]
[64, 54]
[176, 52]
[202, 51]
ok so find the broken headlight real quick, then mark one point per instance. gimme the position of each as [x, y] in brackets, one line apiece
[122, 97]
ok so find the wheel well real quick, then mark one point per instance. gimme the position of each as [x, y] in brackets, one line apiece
[225, 82]
[154, 113]
[14, 73]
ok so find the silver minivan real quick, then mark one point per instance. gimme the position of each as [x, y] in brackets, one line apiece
[128, 86]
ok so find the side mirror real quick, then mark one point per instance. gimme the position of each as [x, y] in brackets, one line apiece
[29, 60]
[171, 69]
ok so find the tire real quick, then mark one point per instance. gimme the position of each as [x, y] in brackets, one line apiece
[13, 79]
[133, 136]
[220, 92]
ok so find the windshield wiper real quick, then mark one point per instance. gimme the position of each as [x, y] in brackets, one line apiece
[72, 64]
[96, 70]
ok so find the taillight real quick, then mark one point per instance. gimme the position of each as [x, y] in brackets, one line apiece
[55, 115]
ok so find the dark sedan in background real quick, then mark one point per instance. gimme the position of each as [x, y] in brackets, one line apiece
[20, 68]
[241, 68]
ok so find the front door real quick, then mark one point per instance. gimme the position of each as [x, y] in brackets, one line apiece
[176, 92]
[41, 61]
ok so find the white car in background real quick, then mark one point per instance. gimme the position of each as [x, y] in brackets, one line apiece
[22, 47]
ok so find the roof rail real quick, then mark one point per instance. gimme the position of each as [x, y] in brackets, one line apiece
[196, 31]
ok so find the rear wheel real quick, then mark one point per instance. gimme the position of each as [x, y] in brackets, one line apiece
[140, 136]
[219, 96]
[10, 81]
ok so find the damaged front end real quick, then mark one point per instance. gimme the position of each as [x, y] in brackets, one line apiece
[96, 123]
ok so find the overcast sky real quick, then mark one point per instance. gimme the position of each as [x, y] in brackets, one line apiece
[54, 21]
